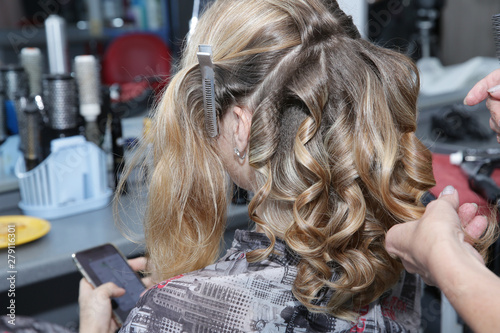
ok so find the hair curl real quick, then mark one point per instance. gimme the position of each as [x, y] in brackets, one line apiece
[332, 142]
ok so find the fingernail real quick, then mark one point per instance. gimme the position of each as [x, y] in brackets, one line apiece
[465, 101]
[448, 190]
[476, 207]
[494, 89]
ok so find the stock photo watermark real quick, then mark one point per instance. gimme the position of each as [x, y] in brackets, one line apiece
[11, 273]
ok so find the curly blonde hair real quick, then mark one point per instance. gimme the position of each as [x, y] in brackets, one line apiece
[332, 142]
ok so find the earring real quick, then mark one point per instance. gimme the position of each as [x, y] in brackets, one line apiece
[240, 154]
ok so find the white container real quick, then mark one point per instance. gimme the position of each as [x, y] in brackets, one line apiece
[9, 154]
[71, 180]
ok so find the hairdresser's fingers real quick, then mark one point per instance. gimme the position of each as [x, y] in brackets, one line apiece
[473, 225]
[494, 125]
[476, 227]
[494, 106]
[412, 241]
[480, 91]
[399, 242]
[467, 212]
[494, 91]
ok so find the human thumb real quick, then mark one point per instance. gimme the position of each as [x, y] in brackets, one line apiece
[111, 290]
[396, 239]
[450, 194]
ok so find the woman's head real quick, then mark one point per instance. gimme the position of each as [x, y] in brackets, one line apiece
[326, 121]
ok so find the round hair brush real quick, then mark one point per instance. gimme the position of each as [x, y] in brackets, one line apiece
[88, 80]
[31, 60]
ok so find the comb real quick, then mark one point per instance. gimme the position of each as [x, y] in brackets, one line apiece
[496, 33]
[207, 74]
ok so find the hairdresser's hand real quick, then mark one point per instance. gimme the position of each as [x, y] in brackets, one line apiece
[424, 245]
[95, 307]
[488, 88]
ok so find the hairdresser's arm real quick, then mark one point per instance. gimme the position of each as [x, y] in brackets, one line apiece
[435, 248]
[488, 88]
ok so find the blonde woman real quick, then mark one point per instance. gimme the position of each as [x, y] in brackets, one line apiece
[320, 125]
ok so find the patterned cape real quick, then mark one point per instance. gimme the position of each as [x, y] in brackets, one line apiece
[234, 295]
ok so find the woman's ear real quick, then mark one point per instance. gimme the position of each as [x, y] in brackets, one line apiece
[243, 123]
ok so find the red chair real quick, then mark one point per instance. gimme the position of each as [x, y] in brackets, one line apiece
[137, 62]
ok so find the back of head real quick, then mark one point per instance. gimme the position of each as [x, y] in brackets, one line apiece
[332, 143]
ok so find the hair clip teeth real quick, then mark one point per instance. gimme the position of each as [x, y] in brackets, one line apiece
[207, 74]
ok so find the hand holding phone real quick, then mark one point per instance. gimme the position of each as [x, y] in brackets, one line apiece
[104, 264]
[96, 313]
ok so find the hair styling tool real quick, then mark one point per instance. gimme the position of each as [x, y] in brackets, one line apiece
[20, 106]
[16, 82]
[31, 60]
[15, 86]
[478, 165]
[55, 30]
[207, 74]
[87, 78]
[194, 18]
[455, 122]
[60, 100]
[31, 133]
[61, 109]
[117, 141]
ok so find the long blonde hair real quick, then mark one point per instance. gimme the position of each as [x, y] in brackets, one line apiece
[332, 142]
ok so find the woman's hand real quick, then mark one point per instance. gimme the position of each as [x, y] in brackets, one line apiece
[95, 307]
[139, 265]
[96, 314]
[424, 245]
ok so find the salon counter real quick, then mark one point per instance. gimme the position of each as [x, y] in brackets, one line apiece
[50, 256]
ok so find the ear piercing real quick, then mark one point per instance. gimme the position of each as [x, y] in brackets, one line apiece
[240, 154]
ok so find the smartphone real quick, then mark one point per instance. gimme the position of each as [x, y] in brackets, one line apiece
[104, 264]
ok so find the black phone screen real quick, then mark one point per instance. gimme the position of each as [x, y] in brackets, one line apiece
[105, 264]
